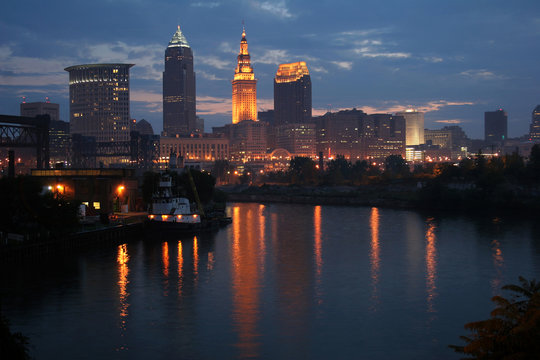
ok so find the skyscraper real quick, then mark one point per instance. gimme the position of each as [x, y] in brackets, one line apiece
[414, 127]
[292, 94]
[534, 132]
[178, 88]
[495, 126]
[99, 101]
[40, 108]
[244, 86]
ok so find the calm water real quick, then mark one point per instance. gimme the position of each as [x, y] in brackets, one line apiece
[281, 282]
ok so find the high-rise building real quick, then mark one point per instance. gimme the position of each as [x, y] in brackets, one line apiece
[99, 101]
[414, 123]
[178, 88]
[34, 109]
[244, 86]
[534, 132]
[292, 94]
[495, 126]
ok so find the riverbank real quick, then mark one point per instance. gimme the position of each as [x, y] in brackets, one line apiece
[400, 195]
[395, 196]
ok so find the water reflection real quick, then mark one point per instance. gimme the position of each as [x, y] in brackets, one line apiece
[122, 259]
[195, 260]
[374, 257]
[180, 260]
[245, 283]
[318, 241]
[498, 263]
[431, 265]
[165, 263]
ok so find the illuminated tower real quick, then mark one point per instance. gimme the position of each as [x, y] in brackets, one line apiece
[414, 123]
[292, 94]
[244, 86]
[178, 88]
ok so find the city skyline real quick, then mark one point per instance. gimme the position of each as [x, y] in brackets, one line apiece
[452, 61]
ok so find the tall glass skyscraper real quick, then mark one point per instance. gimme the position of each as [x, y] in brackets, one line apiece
[179, 88]
[292, 94]
[99, 101]
[534, 131]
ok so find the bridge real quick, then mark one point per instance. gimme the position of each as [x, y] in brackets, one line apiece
[20, 131]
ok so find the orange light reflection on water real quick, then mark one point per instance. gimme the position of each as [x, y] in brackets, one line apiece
[374, 257]
[165, 262]
[195, 259]
[318, 241]
[180, 268]
[498, 263]
[431, 265]
[123, 271]
[245, 282]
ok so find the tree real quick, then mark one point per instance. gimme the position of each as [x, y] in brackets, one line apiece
[12, 345]
[303, 171]
[513, 330]
[395, 165]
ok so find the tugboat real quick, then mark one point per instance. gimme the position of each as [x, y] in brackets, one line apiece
[170, 212]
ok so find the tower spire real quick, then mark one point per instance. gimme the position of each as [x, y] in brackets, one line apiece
[244, 85]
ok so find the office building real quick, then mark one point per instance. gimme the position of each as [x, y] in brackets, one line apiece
[34, 109]
[292, 94]
[179, 113]
[414, 120]
[534, 132]
[244, 86]
[495, 126]
[99, 101]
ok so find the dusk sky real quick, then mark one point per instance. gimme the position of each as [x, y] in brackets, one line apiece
[452, 59]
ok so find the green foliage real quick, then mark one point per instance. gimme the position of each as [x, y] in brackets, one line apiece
[512, 332]
[12, 345]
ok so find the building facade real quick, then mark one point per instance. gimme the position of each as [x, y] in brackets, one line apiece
[205, 148]
[244, 86]
[179, 110]
[534, 131]
[34, 109]
[99, 101]
[495, 126]
[292, 94]
[414, 133]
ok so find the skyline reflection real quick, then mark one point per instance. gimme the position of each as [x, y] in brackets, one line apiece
[374, 257]
[431, 265]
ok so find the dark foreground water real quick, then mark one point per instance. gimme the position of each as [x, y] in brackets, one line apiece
[281, 282]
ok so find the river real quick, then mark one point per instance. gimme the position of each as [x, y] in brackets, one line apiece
[281, 282]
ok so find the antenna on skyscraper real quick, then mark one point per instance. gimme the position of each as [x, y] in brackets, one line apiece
[24, 99]
[47, 99]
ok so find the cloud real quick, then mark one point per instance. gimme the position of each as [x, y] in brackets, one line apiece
[226, 47]
[392, 107]
[34, 80]
[317, 69]
[481, 74]
[276, 8]
[152, 102]
[209, 76]
[371, 52]
[433, 59]
[450, 121]
[215, 62]
[147, 58]
[209, 5]
[273, 56]
[345, 65]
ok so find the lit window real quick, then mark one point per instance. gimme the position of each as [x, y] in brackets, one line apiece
[97, 205]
